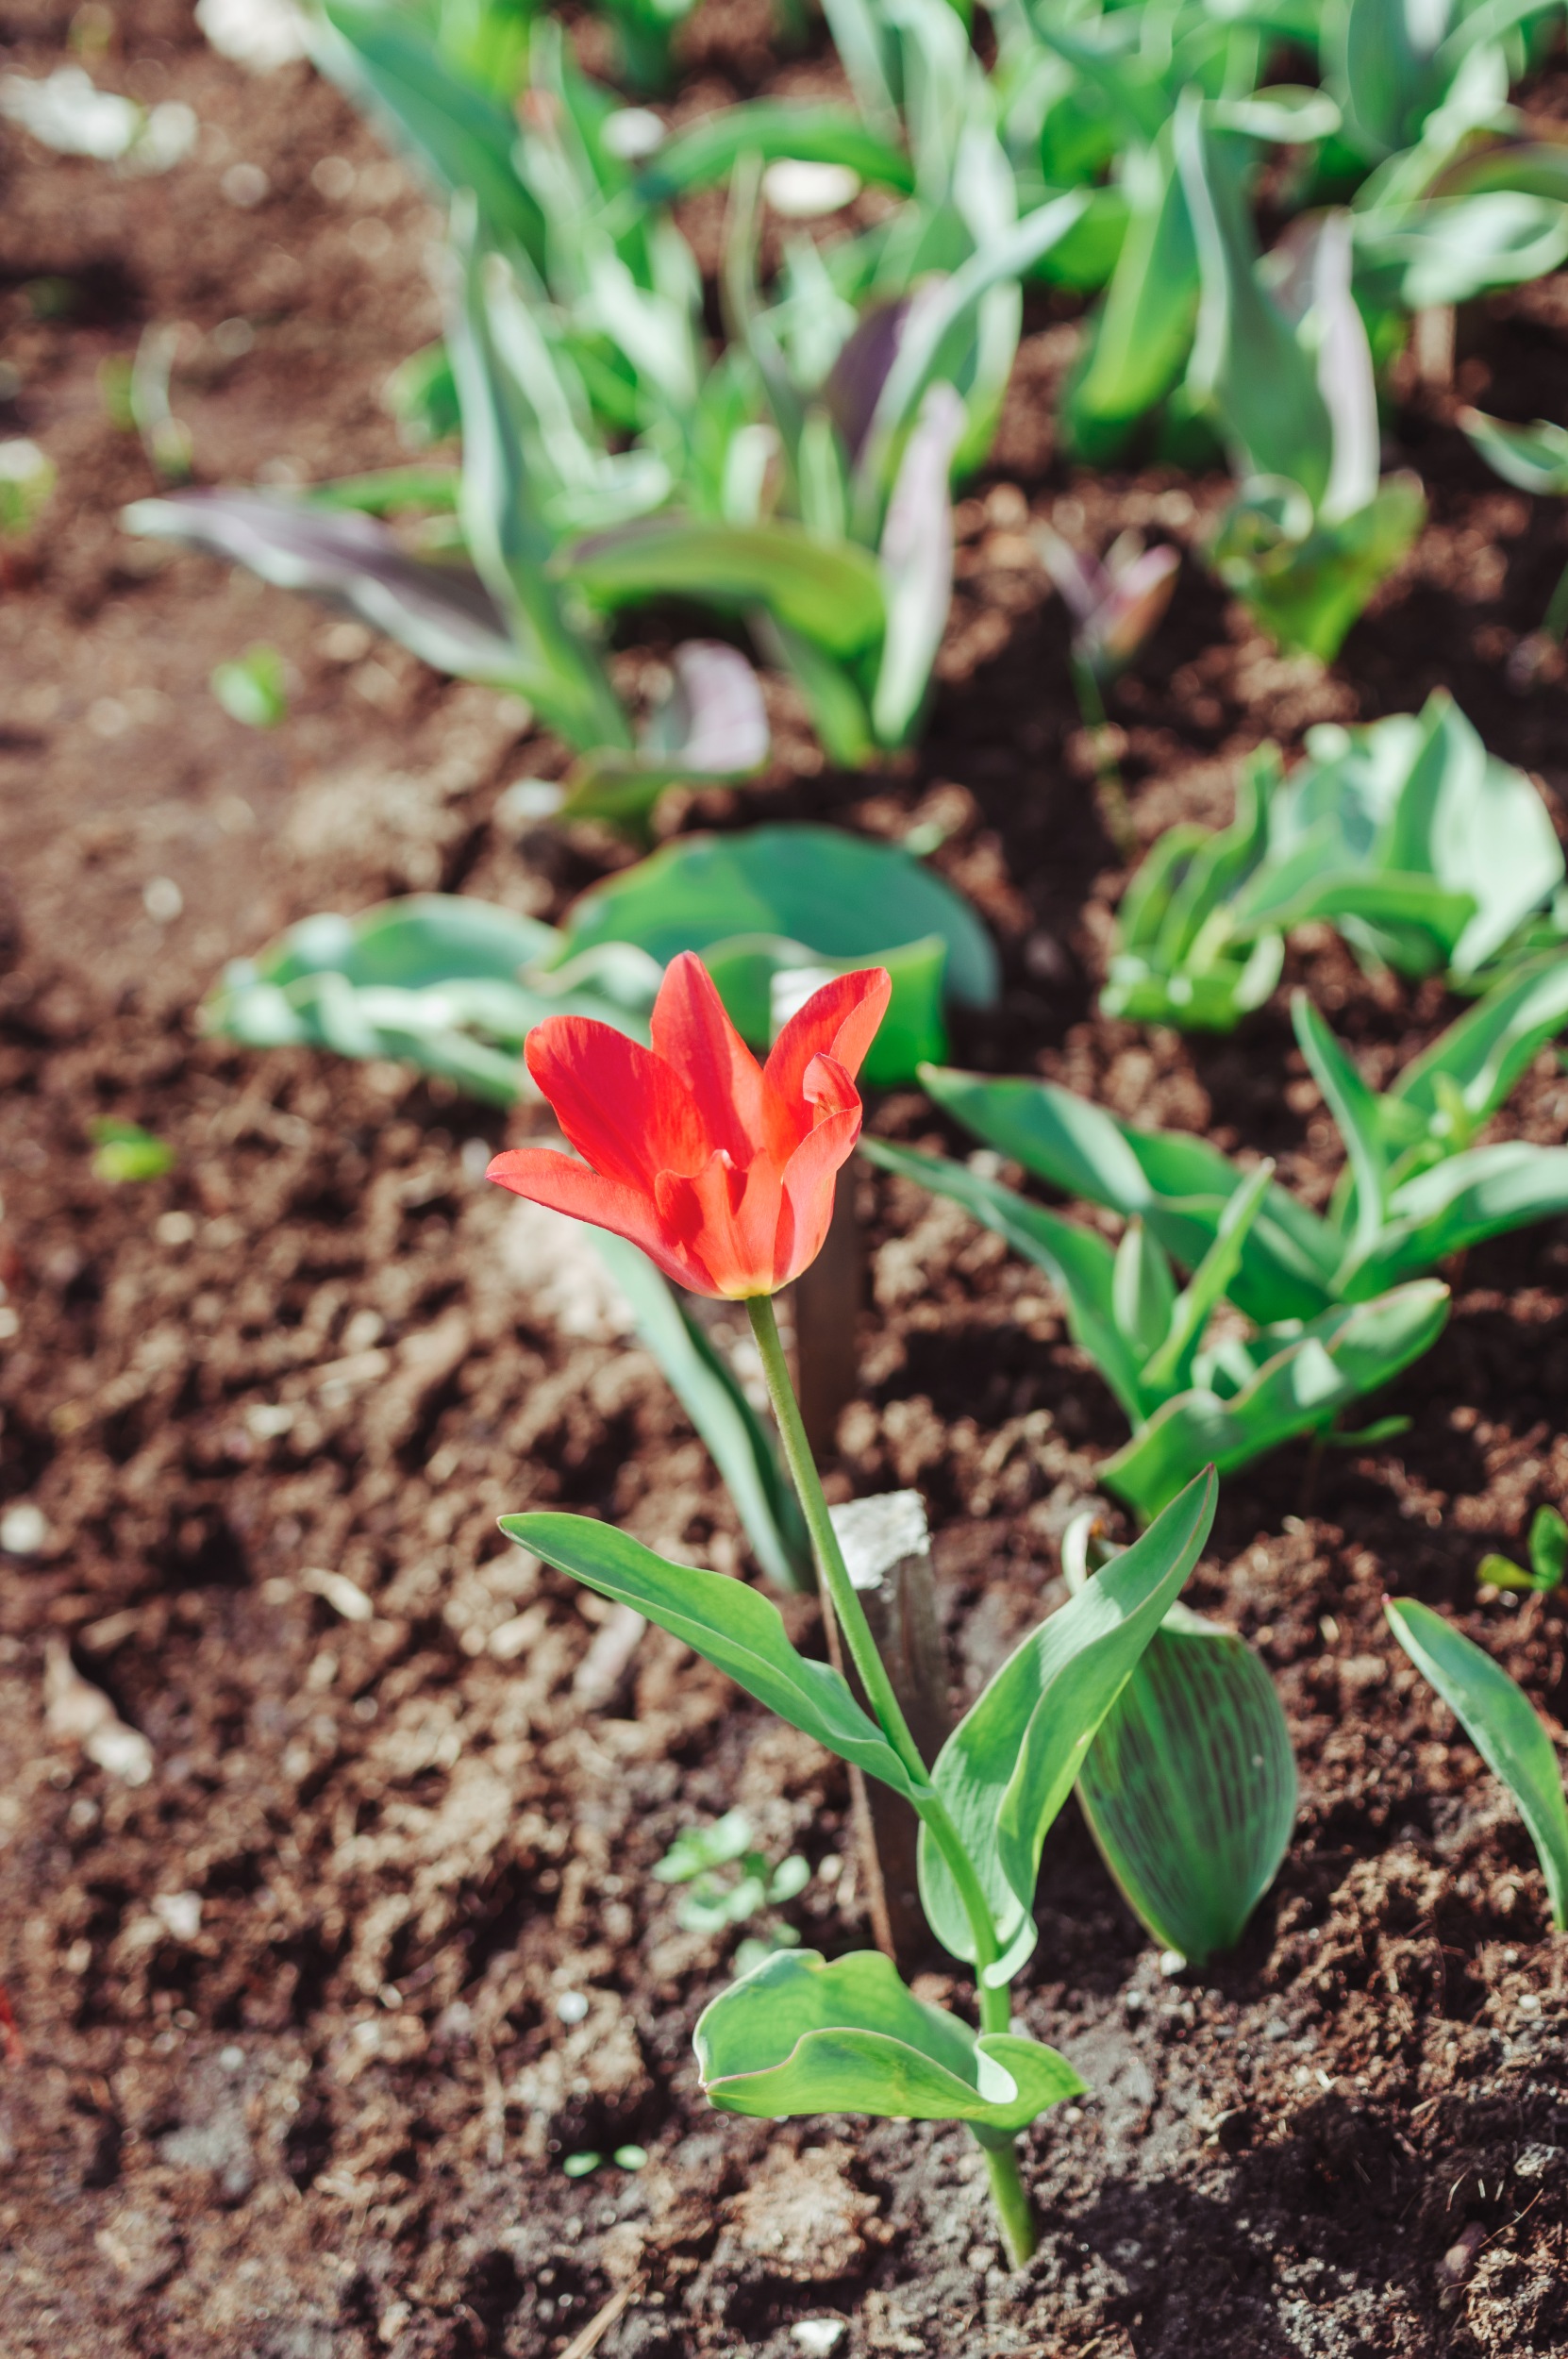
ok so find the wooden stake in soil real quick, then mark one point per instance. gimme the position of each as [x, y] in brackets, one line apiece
[887, 1548]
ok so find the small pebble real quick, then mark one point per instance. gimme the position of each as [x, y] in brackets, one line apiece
[819, 2337]
[22, 1530]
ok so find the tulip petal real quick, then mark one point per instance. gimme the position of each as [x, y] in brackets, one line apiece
[725, 1222]
[546, 1178]
[621, 1106]
[808, 1188]
[691, 1032]
[841, 1021]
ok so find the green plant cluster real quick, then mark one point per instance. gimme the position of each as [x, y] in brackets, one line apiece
[775, 450]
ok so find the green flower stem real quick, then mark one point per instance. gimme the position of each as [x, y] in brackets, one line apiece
[1020, 2229]
[1117, 811]
[1012, 2202]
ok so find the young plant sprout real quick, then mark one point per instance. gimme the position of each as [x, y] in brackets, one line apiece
[1116, 603]
[723, 1171]
[1548, 1553]
[1536, 459]
[712, 1904]
[1427, 853]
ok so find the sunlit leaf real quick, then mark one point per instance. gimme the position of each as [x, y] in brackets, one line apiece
[832, 594]
[801, 2035]
[443, 613]
[1502, 1724]
[1337, 1358]
[709, 149]
[723, 1620]
[1010, 1765]
[1189, 1787]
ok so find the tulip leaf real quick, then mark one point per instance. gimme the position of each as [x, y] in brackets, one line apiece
[1173, 1181]
[1079, 1263]
[463, 135]
[1426, 851]
[1246, 361]
[433, 980]
[830, 593]
[707, 150]
[1189, 1787]
[1011, 1762]
[443, 614]
[709, 1392]
[1347, 1351]
[1482, 1193]
[777, 896]
[723, 1620]
[1502, 1724]
[1142, 335]
[799, 2035]
[1533, 456]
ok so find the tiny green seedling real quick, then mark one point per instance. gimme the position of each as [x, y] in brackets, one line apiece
[124, 1151]
[255, 689]
[713, 1904]
[26, 482]
[1548, 1554]
[581, 2166]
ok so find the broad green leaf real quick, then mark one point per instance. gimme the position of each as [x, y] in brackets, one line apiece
[462, 134]
[709, 1391]
[1176, 1182]
[724, 1622]
[433, 980]
[744, 969]
[1248, 360]
[1143, 332]
[443, 614]
[1189, 1787]
[1010, 1765]
[1338, 1357]
[1483, 1054]
[1504, 1727]
[1078, 1262]
[1533, 456]
[840, 894]
[1451, 249]
[709, 149]
[1308, 584]
[1355, 1109]
[1483, 1191]
[1381, 61]
[831, 594]
[799, 2035]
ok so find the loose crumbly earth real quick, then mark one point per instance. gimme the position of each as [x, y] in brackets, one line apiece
[299, 2080]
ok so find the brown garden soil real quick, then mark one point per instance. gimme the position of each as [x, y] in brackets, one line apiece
[299, 2079]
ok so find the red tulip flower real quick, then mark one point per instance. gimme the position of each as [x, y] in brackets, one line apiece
[720, 1169]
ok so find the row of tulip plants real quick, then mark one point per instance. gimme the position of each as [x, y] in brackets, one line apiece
[703, 1020]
